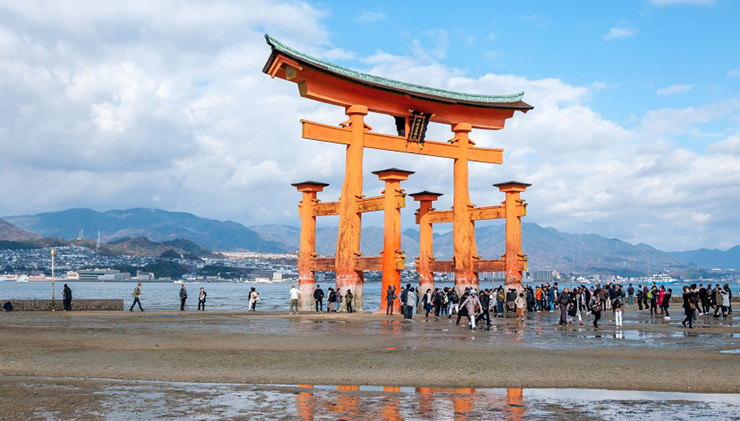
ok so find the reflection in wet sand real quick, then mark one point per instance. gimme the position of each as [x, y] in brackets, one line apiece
[126, 399]
[459, 404]
[514, 404]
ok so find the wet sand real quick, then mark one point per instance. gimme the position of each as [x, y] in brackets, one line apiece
[363, 349]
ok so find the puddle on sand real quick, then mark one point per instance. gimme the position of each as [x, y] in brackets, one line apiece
[115, 399]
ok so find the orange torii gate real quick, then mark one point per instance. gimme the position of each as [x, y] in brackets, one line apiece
[413, 107]
[513, 262]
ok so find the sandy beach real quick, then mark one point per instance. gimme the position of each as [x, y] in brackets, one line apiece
[363, 349]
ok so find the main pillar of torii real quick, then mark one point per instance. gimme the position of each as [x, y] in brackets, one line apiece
[413, 107]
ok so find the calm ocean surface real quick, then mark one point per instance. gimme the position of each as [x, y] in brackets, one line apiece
[225, 296]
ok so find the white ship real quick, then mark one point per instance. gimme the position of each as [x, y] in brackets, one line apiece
[661, 278]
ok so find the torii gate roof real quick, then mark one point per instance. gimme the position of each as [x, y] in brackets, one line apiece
[326, 82]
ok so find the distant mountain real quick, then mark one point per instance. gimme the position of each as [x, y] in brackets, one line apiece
[713, 258]
[156, 225]
[10, 232]
[547, 248]
[141, 246]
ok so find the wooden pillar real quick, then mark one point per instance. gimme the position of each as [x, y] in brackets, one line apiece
[515, 259]
[426, 239]
[307, 251]
[463, 229]
[393, 256]
[350, 220]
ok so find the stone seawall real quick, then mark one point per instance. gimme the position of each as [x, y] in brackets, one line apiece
[77, 305]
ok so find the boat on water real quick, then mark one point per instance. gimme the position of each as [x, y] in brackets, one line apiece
[661, 278]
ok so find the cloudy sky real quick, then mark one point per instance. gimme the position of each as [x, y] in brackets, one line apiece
[162, 104]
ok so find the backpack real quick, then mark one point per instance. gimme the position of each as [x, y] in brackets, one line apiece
[8, 306]
[596, 307]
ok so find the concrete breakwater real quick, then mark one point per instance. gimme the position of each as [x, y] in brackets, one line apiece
[77, 305]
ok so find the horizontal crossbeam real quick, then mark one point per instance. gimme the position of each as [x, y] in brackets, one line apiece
[343, 135]
[487, 212]
[323, 264]
[326, 208]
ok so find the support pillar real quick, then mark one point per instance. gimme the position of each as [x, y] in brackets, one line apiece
[426, 239]
[515, 259]
[463, 229]
[307, 251]
[393, 256]
[350, 220]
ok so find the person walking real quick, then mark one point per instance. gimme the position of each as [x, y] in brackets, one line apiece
[519, 303]
[410, 303]
[689, 307]
[596, 309]
[630, 294]
[485, 301]
[137, 300]
[617, 308]
[667, 303]
[653, 296]
[295, 294]
[390, 299]
[338, 295]
[183, 297]
[455, 300]
[426, 301]
[723, 300]
[563, 301]
[404, 298]
[348, 297]
[729, 298]
[471, 304]
[202, 299]
[318, 296]
[67, 298]
[331, 301]
[254, 296]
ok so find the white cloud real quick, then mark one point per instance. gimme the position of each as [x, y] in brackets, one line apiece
[733, 72]
[620, 32]
[676, 89]
[113, 105]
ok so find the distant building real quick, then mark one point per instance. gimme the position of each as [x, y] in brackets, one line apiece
[116, 277]
[143, 276]
[542, 276]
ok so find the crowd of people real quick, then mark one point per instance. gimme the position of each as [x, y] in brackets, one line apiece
[574, 304]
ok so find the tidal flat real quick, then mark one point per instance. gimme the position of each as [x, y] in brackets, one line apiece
[84, 361]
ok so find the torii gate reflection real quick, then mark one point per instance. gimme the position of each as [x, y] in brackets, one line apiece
[432, 403]
[413, 107]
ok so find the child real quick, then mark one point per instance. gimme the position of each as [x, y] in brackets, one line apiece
[519, 303]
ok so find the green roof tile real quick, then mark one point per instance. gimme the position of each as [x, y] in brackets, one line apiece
[391, 84]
